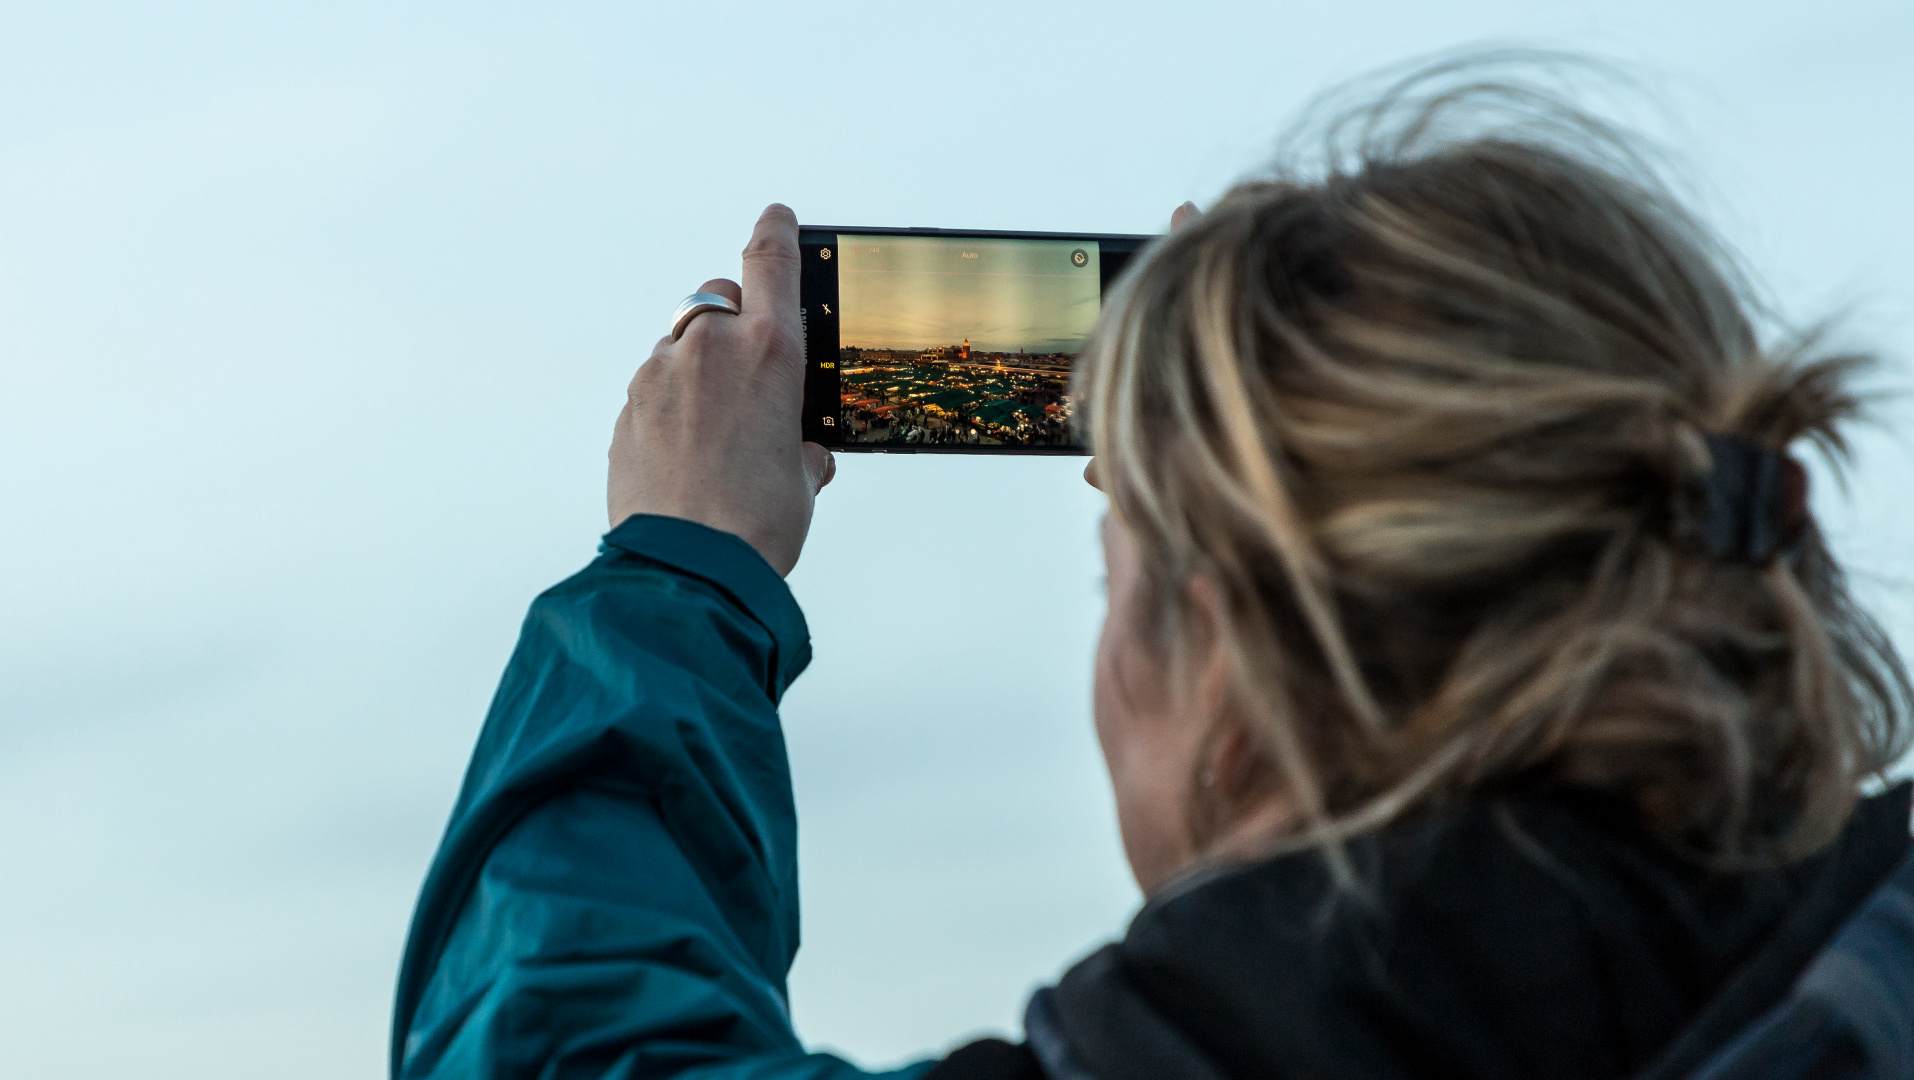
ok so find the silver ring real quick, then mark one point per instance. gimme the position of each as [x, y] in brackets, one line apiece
[695, 305]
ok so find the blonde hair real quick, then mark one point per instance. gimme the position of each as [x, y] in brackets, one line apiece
[1430, 420]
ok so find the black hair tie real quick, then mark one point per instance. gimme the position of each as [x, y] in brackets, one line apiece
[1754, 501]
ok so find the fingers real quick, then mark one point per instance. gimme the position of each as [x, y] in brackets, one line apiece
[1183, 215]
[820, 466]
[771, 265]
[726, 288]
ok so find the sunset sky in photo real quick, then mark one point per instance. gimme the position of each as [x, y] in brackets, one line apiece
[916, 292]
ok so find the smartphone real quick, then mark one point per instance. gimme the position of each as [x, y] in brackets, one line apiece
[948, 341]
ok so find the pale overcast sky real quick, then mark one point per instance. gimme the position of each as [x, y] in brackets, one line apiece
[313, 323]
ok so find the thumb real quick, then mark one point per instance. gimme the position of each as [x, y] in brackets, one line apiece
[820, 466]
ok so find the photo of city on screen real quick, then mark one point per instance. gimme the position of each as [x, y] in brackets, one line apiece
[961, 342]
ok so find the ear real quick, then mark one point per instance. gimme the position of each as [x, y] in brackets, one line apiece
[1234, 781]
[1207, 649]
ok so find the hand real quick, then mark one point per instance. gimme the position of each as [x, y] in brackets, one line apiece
[711, 430]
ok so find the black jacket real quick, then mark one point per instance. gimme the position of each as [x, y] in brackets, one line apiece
[1529, 937]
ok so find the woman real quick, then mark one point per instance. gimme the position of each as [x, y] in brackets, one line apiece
[1478, 695]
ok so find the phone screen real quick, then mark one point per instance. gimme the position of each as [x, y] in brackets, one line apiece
[929, 341]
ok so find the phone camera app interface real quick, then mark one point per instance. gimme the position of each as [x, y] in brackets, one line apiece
[948, 341]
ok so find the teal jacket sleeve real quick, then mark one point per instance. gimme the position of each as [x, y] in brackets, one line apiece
[616, 893]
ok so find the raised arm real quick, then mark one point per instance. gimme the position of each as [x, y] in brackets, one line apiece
[616, 893]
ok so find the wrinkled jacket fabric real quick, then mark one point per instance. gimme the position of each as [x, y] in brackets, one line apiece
[615, 897]
[616, 894]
